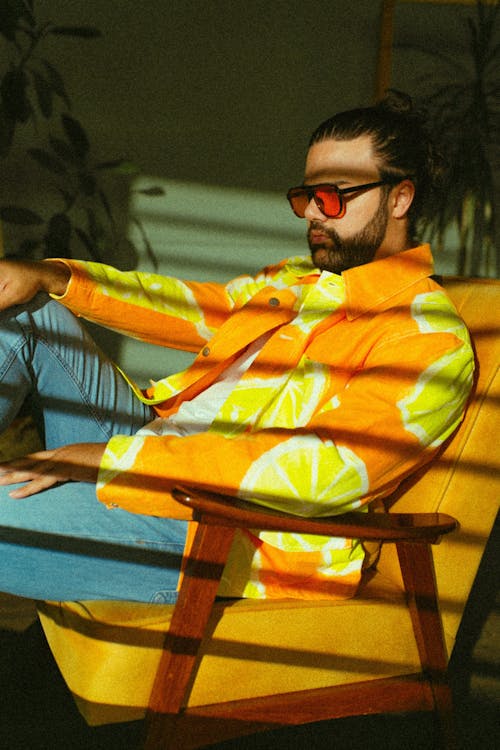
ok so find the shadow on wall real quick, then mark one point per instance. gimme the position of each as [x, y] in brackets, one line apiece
[205, 233]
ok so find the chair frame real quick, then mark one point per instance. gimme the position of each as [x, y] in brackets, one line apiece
[171, 725]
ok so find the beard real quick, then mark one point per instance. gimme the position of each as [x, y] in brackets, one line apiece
[336, 254]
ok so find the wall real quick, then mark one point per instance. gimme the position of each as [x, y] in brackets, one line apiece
[218, 91]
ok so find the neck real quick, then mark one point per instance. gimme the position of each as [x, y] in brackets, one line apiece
[396, 240]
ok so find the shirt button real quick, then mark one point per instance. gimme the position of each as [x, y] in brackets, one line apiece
[274, 301]
[206, 351]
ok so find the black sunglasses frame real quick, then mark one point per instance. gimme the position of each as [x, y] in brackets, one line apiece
[310, 192]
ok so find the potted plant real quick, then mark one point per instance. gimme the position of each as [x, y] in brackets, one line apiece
[79, 220]
[34, 99]
[463, 105]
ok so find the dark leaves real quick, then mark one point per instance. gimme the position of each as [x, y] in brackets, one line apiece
[11, 13]
[88, 184]
[81, 32]
[56, 82]
[31, 90]
[152, 192]
[62, 149]
[44, 94]
[57, 239]
[7, 129]
[118, 166]
[76, 135]
[19, 215]
[47, 160]
[14, 96]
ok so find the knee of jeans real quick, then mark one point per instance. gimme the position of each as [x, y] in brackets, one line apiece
[164, 597]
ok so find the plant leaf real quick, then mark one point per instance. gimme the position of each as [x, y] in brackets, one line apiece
[19, 215]
[147, 245]
[7, 130]
[68, 198]
[89, 245]
[76, 134]
[82, 32]
[47, 160]
[87, 183]
[28, 246]
[57, 239]
[119, 166]
[107, 207]
[43, 94]
[154, 190]
[94, 227]
[85, 239]
[62, 149]
[13, 90]
[11, 12]
[56, 82]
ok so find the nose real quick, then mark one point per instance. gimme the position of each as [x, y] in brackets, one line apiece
[313, 212]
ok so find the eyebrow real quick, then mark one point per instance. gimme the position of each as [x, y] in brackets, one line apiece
[329, 181]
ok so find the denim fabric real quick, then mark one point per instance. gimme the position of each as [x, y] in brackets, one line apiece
[63, 544]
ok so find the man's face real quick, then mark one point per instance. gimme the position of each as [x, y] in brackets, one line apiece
[341, 243]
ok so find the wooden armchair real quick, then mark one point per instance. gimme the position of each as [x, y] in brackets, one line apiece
[209, 670]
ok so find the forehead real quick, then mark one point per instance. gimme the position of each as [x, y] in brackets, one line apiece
[341, 161]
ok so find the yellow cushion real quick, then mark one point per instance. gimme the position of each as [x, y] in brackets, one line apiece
[108, 651]
[465, 481]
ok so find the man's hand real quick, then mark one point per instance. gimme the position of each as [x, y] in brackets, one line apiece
[20, 280]
[78, 463]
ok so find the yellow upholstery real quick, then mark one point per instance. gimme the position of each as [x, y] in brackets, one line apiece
[108, 652]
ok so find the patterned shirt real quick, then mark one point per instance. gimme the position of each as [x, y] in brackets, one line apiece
[361, 378]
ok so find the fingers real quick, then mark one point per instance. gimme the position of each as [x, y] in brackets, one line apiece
[33, 487]
[38, 471]
[78, 462]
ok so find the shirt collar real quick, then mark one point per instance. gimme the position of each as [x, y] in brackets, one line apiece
[374, 284]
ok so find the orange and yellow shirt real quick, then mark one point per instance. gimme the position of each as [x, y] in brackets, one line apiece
[361, 378]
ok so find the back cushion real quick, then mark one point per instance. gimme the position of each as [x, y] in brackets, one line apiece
[464, 481]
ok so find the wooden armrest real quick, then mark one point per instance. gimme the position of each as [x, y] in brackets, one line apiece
[216, 509]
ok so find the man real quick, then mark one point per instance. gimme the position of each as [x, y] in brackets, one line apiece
[318, 386]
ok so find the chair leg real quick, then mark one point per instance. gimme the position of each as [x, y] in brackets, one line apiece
[189, 620]
[444, 710]
[417, 568]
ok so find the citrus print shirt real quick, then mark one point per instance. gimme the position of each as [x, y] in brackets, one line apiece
[359, 380]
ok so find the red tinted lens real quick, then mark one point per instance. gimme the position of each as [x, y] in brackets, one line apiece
[299, 200]
[326, 198]
[328, 201]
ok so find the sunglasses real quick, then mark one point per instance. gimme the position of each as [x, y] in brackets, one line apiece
[328, 198]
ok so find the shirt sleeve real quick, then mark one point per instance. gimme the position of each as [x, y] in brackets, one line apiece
[154, 308]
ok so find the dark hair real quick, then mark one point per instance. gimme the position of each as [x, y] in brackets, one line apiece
[401, 144]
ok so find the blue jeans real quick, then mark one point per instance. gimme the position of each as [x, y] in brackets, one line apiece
[63, 544]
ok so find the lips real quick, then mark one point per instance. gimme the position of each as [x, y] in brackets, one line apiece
[317, 238]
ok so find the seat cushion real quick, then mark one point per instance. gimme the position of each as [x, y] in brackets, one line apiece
[108, 652]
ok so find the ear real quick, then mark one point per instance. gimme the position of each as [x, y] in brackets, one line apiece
[402, 197]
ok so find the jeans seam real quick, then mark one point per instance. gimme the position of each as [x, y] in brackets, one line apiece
[76, 382]
[14, 353]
